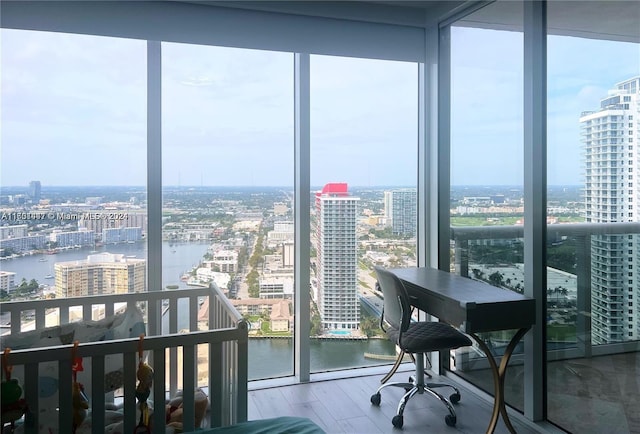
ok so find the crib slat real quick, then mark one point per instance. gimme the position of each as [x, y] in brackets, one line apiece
[159, 387]
[193, 313]
[16, 322]
[97, 394]
[31, 397]
[108, 310]
[65, 416]
[173, 352]
[242, 390]
[154, 316]
[173, 315]
[130, 368]
[64, 314]
[40, 317]
[215, 383]
[188, 386]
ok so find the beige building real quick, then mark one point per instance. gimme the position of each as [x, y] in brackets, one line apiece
[281, 316]
[104, 273]
[7, 281]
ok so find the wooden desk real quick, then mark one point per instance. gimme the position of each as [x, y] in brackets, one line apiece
[474, 307]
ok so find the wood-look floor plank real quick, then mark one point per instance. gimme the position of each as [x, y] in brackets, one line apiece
[358, 425]
[272, 403]
[252, 407]
[299, 393]
[343, 406]
[336, 401]
[361, 389]
[318, 414]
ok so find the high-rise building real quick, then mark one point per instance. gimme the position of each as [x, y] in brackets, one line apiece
[103, 273]
[401, 210]
[612, 173]
[35, 189]
[337, 258]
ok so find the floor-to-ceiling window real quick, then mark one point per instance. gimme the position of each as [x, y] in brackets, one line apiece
[227, 143]
[363, 206]
[487, 184]
[73, 188]
[592, 296]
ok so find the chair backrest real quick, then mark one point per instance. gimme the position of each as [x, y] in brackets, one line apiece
[397, 310]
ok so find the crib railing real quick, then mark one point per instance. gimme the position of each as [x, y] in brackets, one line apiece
[183, 326]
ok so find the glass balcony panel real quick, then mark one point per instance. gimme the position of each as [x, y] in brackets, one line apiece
[592, 256]
[487, 212]
[363, 168]
[227, 132]
[72, 174]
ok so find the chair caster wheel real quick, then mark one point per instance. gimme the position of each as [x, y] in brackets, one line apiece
[450, 420]
[397, 421]
[454, 398]
[375, 399]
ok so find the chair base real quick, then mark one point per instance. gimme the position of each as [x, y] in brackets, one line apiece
[417, 385]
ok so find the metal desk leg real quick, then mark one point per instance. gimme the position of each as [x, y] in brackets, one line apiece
[499, 374]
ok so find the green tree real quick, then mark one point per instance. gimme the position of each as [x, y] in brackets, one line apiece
[316, 328]
[496, 278]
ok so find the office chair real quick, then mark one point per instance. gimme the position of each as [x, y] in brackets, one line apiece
[414, 338]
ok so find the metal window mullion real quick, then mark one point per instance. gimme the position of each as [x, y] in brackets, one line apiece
[535, 204]
[443, 149]
[154, 166]
[302, 205]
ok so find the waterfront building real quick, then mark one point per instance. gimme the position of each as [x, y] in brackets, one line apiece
[337, 258]
[121, 235]
[204, 276]
[103, 273]
[24, 244]
[612, 171]
[280, 317]
[82, 237]
[254, 306]
[134, 219]
[13, 231]
[401, 210]
[7, 281]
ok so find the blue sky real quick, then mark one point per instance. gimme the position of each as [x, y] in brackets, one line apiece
[74, 111]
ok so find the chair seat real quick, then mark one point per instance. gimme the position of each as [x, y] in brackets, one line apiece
[428, 336]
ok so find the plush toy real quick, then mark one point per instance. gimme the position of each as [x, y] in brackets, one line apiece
[79, 400]
[174, 410]
[143, 390]
[80, 404]
[13, 407]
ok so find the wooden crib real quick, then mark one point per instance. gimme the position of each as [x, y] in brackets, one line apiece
[195, 337]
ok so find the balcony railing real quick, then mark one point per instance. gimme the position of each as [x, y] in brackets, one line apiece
[582, 234]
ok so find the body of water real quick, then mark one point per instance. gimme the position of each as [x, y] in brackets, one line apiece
[274, 357]
[267, 357]
[176, 260]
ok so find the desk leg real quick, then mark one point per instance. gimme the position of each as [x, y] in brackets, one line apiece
[498, 379]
